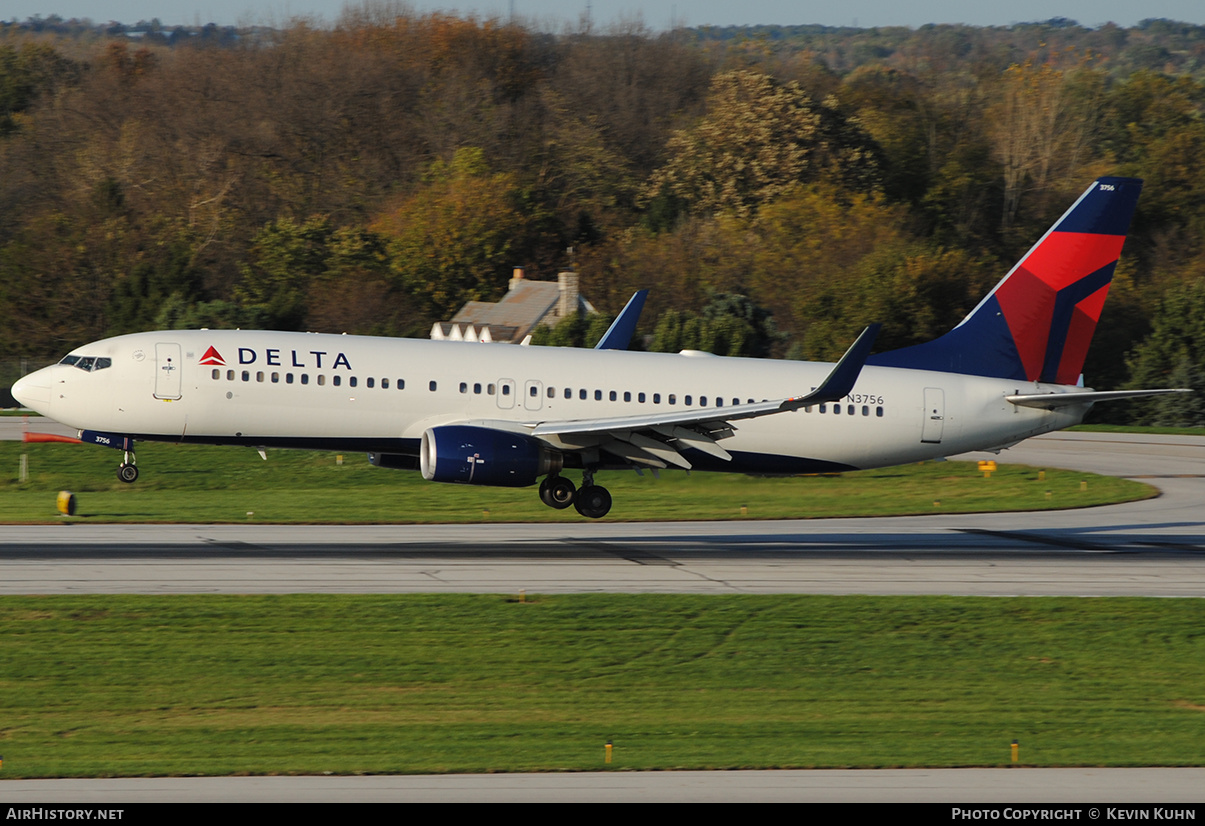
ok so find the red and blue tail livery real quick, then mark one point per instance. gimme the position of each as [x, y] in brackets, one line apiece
[1037, 323]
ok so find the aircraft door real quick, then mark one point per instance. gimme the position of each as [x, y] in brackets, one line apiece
[533, 395]
[506, 393]
[935, 415]
[167, 371]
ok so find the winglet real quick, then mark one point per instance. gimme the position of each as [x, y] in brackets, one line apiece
[619, 334]
[841, 380]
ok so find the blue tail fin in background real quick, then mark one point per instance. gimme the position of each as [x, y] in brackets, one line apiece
[1037, 323]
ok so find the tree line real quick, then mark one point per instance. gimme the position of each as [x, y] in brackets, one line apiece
[775, 191]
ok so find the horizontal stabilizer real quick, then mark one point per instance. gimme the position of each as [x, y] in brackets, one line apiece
[1050, 401]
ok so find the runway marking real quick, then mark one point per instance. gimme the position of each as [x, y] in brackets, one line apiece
[634, 555]
[1039, 539]
[1178, 546]
[1119, 442]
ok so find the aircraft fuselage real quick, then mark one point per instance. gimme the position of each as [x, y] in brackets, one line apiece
[348, 393]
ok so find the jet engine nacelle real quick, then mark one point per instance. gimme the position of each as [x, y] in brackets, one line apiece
[481, 456]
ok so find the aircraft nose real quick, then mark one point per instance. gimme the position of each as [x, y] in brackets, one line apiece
[33, 391]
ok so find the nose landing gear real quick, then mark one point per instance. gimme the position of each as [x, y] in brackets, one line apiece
[127, 471]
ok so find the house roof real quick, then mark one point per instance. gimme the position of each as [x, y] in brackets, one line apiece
[522, 307]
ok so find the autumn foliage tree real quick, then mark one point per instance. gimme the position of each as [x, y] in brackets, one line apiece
[453, 240]
[758, 140]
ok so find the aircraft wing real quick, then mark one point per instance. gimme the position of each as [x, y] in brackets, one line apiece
[656, 439]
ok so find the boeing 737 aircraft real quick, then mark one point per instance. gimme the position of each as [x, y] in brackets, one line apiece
[505, 416]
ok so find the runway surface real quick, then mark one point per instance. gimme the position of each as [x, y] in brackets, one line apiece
[1084, 787]
[1150, 548]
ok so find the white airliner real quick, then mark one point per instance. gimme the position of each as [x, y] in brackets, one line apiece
[506, 416]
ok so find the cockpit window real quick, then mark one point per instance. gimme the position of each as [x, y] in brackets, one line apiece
[89, 364]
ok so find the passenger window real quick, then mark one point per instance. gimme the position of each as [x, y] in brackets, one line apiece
[878, 411]
[259, 376]
[552, 392]
[687, 401]
[217, 374]
[656, 398]
[321, 380]
[581, 394]
[849, 409]
[336, 380]
[597, 395]
[614, 396]
[489, 389]
[627, 395]
[535, 391]
[477, 389]
[385, 385]
[865, 410]
[673, 399]
[351, 381]
[246, 375]
[719, 402]
[401, 385]
[702, 401]
[371, 382]
[640, 398]
[430, 386]
[568, 393]
[824, 408]
[276, 378]
[288, 378]
[229, 375]
[305, 378]
[505, 389]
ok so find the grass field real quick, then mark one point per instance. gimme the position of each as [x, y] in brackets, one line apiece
[117, 685]
[215, 484]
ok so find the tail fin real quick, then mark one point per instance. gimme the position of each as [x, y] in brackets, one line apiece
[1037, 323]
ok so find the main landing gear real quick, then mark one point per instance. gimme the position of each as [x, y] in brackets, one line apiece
[591, 500]
[127, 471]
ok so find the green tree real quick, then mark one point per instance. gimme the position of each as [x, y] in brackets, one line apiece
[455, 238]
[917, 292]
[1173, 355]
[730, 325]
[286, 257]
[577, 330]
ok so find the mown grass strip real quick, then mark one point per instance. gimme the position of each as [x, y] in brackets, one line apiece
[139, 685]
[216, 484]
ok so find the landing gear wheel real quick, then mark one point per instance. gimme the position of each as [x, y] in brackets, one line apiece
[557, 492]
[127, 473]
[593, 501]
